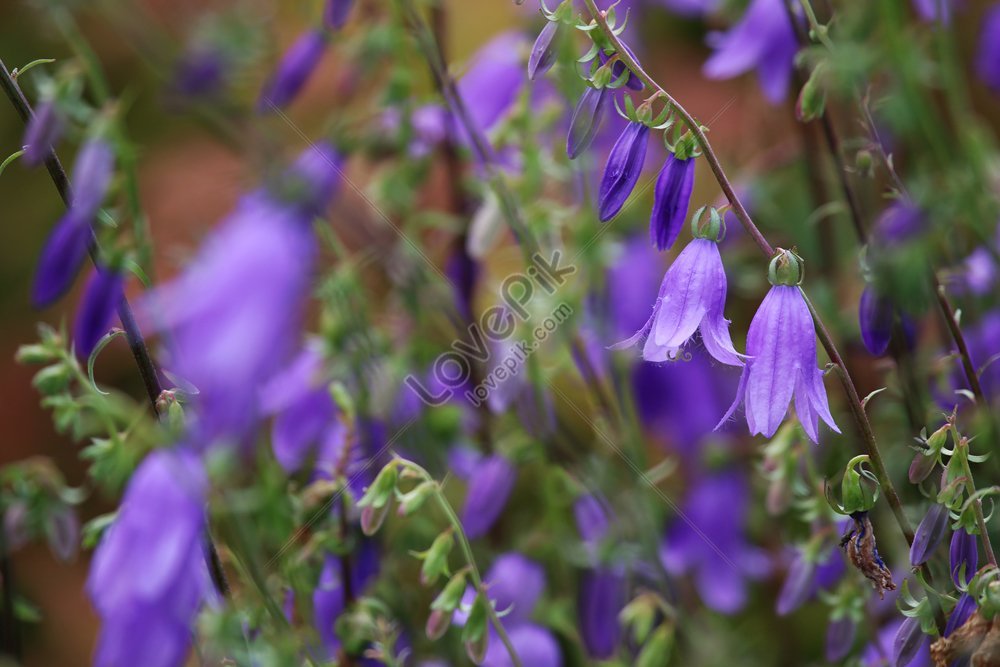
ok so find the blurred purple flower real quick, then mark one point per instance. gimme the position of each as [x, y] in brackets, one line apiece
[67, 244]
[875, 316]
[963, 552]
[543, 53]
[622, 170]
[840, 639]
[328, 598]
[463, 272]
[201, 72]
[493, 80]
[43, 132]
[900, 222]
[805, 577]
[908, 641]
[978, 273]
[591, 519]
[148, 577]
[228, 345]
[983, 340]
[935, 10]
[708, 539]
[781, 351]
[763, 39]
[631, 286]
[335, 13]
[104, 291]
[489, 487]
[602, 597]
[875, 653]
[293, 71]
[671, 197]
[988, 56]
[691, 299]
[515, 584]
[588, 116]
[690, 8]
[534, 646]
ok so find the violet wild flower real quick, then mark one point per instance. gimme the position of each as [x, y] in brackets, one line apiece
[586, 121]
[670, 200]
[929, 534]
[618, 69]
[622, 170]
[963, 556]
[543, 53]
[335, 13]
[987, 61]
[43, 132]
[692, 298]
[602, 596]
[104, 291]
[490, 485]
[293, 71]
[781, 358]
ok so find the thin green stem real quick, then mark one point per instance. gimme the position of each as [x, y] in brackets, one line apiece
[853, 399]
[977, 507]
[470, 559]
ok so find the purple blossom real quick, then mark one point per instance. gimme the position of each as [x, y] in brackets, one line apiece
[978, 273]
[619, 67]
[294, 70]
[908, 641]
[708, 539]
[493, 80]
[104, 291]
[900, 222]
[534, 646]
[463, 273]
[43, 132]
[201, 72]
[671, 198]
[983, 339]
[781, 351]
[631, 286]
[602, 596]
[873, 655]
[988, 56]
[690, 8]
[964, 608]
[806, 576]
[335, 13]
[929, 534]
[223, 343]
[840, 636]
[515, 584]
[148, 577]
[591, 519]
[692, 298]
[489, 485]
[963, 556]
[66, 246]
[935, 10]
[543, 53]
[329, 600]
[588, 116]
[622, 170]
[763, 39]
[875, 316]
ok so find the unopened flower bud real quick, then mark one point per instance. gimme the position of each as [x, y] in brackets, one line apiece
[373, 517]
[921, 467]
[908, 640]
[451, 595]
[438, 623]
[36, 354]
[436, 558]
[381, 490]
[929, 534]
[52, 379]
[62, 530]
[474, 634]
[963, 556]
[812, 98]
[786, 268]
[587, 119]
[657, 650]
[839, 639]
[856, 496]
[543, 53]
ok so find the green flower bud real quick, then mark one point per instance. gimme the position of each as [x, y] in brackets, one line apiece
[639, 614]
[474, 634]
[786, 268]
[436, 558]
[412, 500]
[451, 595]
[52, 379]
[711, 228]
[381, 490]
[856, 495]
[36, 354]
[656, 652]
[438, 623]
[373, 517]
[812, 98]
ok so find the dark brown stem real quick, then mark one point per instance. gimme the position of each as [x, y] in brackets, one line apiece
[137, 343]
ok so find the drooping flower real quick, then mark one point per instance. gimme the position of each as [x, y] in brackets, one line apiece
[875, 315]
[104, 291]
[781, 363]
[66, 246]
[335, 13]
[881, 647]
[622, 170]
[490, 485]
[692, 298]
[148, 577]
[988, 55]
[228, 345]
[670, 200]
[963, 556]
[602, 596]
[929, 534]
[543, 53]
[862, 550]
[840, 635]
[493, 80]
[708, 540]
[586, 121]
[43, 132]
[763, 39]
[908, 641]
[293, 71]
[591, 519]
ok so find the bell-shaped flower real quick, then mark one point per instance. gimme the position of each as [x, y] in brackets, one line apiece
[533, 644]
[708, 540]
[588, 116]
[490, 484]
[543, 52]
[764, 40]
[781, 358]
[840, 634]
[601, 599]
[929, 534]
[988, 56]
[963, 556]
[492, 81]
[66, 246]
[149, 576]
[622, 170]
[43, 131]
[691, 299]
[335, 13]
[671, 197]
[963, 609]
[293, 71]
[104, 291]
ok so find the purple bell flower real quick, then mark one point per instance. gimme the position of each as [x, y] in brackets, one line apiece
[515, 584]
[335, 13]
[781, 359]
[543, 53]
[840, 636]
[622, 170]
[929, 534]
[964, 608]
[104, 291]
[670, 201]
[763, 39]
[908, 641]
[900, 222]
[233, 313]
[883, 645]
[805, 577]
[534, 646]
[708, 539]
[148, 577]
[329, 595]
[963, 551]
[690, 8]
[493, 80]
[591, 519]
[200, 73]
[66, 246]
[587, 119]
[294, 70]
[602, 597]
[935, 10]
[988, 56]
[43, 132]
[875, 315]
[692, 298]
[489, 487]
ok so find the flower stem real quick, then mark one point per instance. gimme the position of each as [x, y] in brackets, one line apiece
[463, 541]
[970, 488]
[854, 401]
